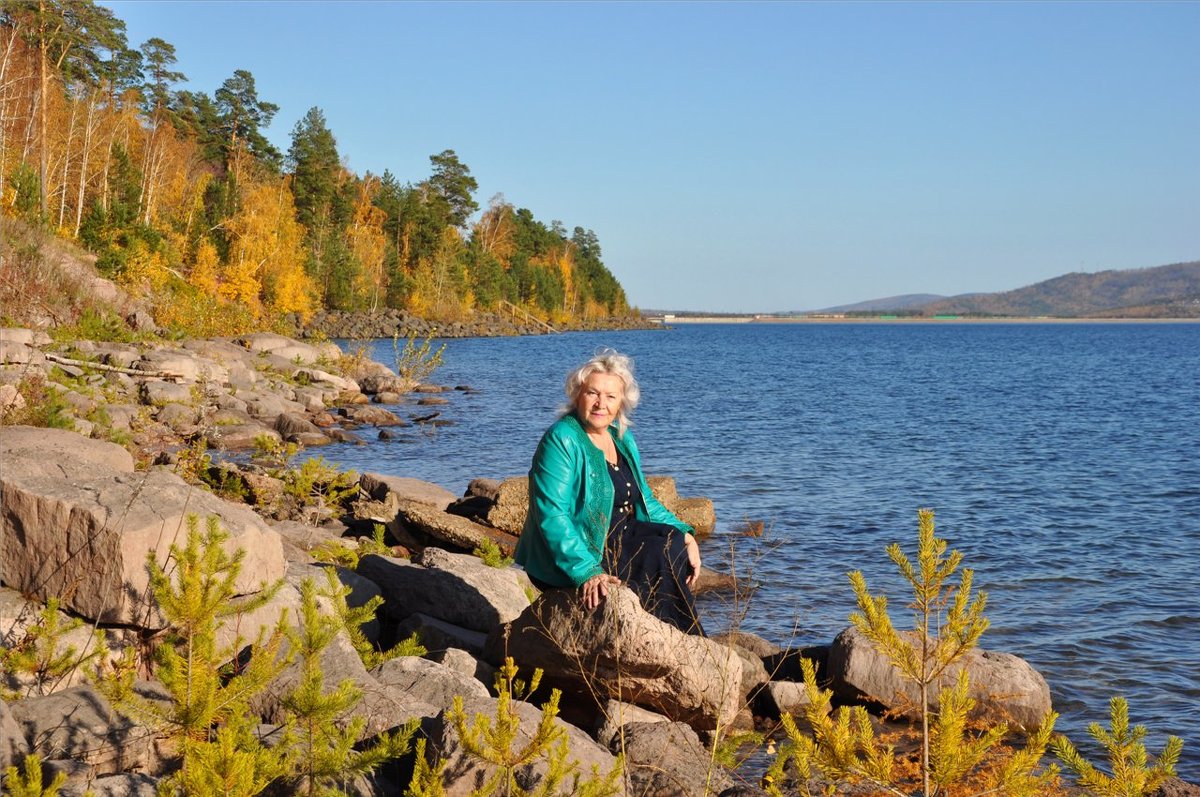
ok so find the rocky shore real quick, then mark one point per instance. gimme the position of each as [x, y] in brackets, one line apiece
[390, 322]
[81, 516]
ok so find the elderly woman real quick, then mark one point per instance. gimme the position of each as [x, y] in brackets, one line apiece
[593, 522]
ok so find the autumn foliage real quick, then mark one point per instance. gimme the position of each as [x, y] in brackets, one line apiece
[186, 202]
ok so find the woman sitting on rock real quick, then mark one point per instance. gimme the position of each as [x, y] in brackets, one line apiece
[593, 522]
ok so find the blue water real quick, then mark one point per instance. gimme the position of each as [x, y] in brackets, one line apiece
[1063, 461]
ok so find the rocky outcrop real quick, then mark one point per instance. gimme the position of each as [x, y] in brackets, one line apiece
[86, 539]
[79, 724]
[667, 759]
[1005, 687]
[622, 652]
[456, 588]
[465, 773]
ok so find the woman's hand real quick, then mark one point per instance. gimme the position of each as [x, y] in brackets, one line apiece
[595, 589]
[693, 555]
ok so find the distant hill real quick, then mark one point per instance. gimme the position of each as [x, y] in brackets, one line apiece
[908, 301]
[1163, 291]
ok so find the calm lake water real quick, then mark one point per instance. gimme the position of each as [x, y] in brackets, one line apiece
[1063, 461]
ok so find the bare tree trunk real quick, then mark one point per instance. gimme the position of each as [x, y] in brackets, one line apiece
[43, 79]
[62, 202]
[88, 130]
[8, 49]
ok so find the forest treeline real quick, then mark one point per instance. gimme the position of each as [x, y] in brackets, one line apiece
[186, 202]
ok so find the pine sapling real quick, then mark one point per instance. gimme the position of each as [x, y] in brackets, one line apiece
[353, 619]
[954, 759]
[27, 782]
[195, 591]
[324, 751]
[41, 655]
[1132, 774]
[494, 741]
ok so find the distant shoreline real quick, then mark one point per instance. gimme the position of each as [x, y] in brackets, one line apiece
[751, 319]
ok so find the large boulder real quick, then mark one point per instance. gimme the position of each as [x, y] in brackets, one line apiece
[465, 773]
[667, 759]
[35, 451]
[457, 588]
[428, 681]
[621, 651]
[85, 539]
[1005, 687]
[79, 724]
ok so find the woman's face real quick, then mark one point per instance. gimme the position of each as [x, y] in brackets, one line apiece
[599, 400]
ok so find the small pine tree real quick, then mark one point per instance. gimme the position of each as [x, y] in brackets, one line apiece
[324, 755]
[41, 655]
[206, 696]
[1132, 774]
[427, 779]
[952, 759]
[491, 740]
[353, 619]
[28, 783]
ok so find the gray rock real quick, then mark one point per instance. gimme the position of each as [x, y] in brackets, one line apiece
[668, 760]
[439, 636]
[697, 513]
[465, 773]
[454, 530]
[127, 785]
[457, 588]
[461, 661]
[79, 724]
[511, 505]
[86, 539]
[59, 453]
[378, 485]
[615, 715]
[374, 416]
[14, 353]
[1005, 687]
[622, 652]
[782, 697]
[298, 429]
[428, 681]
[177, 416]
[239, 437]
[23, 335]
[752, 642]
[13, 745]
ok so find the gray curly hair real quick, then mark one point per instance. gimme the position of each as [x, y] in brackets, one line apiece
[606, 361]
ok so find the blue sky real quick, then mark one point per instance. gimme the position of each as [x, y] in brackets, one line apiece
[759, 156]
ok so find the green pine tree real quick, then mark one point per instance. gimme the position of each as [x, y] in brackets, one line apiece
[843, 748]
[324, 754]
[1132, 773]
[209, 697]
[493, 741]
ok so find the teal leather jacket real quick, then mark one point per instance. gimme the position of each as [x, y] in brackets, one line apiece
[570, 501]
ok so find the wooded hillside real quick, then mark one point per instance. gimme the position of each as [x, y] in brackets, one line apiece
[186, 202]
[1164, 291]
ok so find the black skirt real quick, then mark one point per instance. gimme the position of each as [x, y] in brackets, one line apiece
[649, 558]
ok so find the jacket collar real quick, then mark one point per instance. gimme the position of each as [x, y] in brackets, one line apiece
[622, 448]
